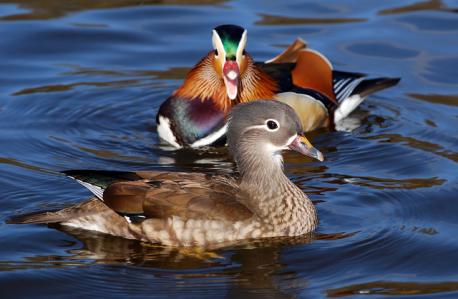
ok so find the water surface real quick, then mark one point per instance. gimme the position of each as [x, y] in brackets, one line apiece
[80, 84]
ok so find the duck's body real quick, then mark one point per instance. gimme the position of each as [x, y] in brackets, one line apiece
[187, 209]
[195, 114]
[184, 209]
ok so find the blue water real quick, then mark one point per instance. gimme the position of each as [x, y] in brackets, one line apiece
[80, 84]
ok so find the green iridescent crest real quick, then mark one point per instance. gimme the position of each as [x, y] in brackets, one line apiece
[230, 36]
[230, 46]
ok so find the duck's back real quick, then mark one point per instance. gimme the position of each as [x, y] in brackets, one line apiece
[172, 208]
[186, 195]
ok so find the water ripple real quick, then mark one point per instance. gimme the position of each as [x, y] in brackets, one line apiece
[80, 89]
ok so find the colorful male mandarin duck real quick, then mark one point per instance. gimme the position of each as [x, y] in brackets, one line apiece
[195, 114]
[196, 209]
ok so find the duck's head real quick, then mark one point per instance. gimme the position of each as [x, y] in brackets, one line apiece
[229, 43]
[263, 129]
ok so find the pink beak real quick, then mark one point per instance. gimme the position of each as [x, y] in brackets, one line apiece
[231, 74]
[301, 145]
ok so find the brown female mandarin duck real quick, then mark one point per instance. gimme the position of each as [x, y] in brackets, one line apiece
[187, 209]
[195, 114]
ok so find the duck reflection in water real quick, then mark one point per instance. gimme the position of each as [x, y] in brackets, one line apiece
[248, 269]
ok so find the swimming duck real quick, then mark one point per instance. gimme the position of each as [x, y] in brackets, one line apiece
[196, 209]
[195, 114]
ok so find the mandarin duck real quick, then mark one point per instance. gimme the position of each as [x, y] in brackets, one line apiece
[196, 209]
[195, 114]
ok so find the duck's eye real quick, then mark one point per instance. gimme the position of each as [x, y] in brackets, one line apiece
[216, 53]
[243, 53]
[272, 124]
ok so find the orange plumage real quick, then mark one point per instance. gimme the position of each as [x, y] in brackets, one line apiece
[195, 114]
[205, 82]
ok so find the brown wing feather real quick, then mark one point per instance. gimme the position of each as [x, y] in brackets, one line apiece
[291, 53]
[126, 197]
[187, 195]
[312, 70]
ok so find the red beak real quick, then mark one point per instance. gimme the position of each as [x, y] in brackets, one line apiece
[231, 75]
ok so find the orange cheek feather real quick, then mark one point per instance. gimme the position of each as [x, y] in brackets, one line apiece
[243, 65]
[218, 67]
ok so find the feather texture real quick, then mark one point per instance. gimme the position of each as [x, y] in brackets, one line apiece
[186, 209]
[298, 70]
[204, 83]
[190, 121]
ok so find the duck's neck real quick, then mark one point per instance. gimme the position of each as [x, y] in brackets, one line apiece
[273, 197]
[204, 82]
[259, 168]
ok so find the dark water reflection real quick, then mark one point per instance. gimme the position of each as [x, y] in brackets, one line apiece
[80, 83]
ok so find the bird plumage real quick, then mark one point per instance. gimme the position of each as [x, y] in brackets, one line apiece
[204, 82]
[183, 121]
[229, 76]
[186, 209]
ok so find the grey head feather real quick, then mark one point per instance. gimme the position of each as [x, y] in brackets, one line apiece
[255, 148]
[255, 113]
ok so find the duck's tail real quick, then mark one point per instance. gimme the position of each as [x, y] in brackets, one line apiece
[352, 88]
[94, 181]
[57, 216]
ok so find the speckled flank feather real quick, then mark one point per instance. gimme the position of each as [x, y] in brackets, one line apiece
[176, 231]
[188, 209]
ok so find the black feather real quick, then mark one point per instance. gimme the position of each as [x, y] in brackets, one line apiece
[369, 86]
[192, 119]
[347, 84]
[281, 73]
[101, 178]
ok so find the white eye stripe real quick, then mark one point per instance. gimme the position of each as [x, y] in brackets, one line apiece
[264, 126]
[241, 46]
[218, 45]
